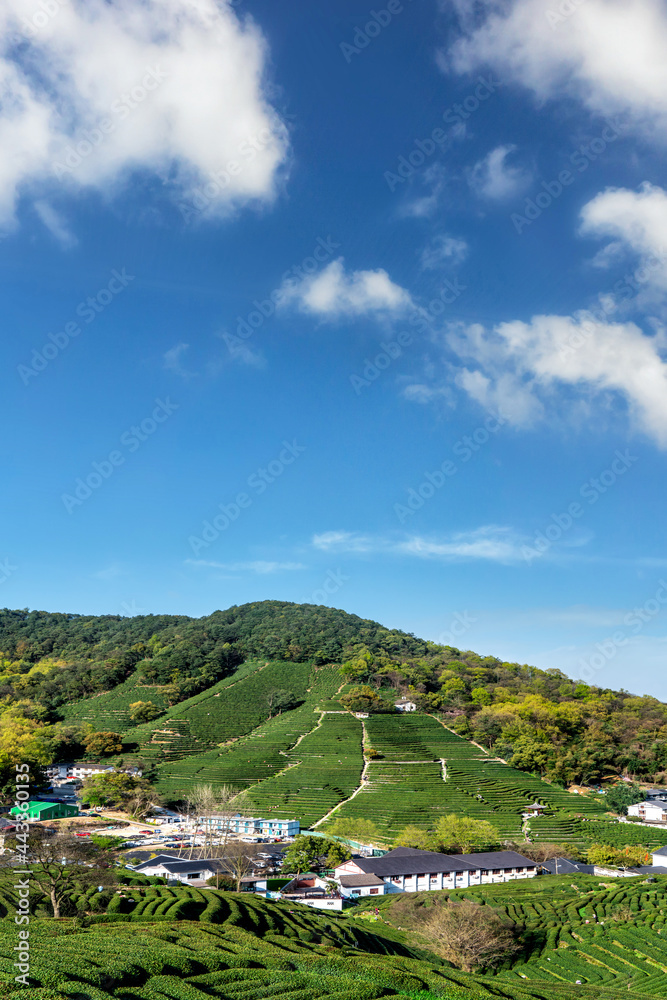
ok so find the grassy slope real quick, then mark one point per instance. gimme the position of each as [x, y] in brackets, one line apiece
[189, 944]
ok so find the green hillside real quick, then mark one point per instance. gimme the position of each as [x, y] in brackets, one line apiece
[263, 697]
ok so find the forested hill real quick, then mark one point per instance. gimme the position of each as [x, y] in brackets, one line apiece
[540, 720]
[276, 629]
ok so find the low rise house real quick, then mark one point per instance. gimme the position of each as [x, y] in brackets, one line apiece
[406, 869]
[171, 867]
[652, 810]
[38, 811]
[405, 705]
[659, 857]
[254, 827]
[85, 769]
[566, 866]
[311, 890]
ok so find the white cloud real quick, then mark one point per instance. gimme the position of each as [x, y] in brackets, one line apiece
[334, 293]
[635, 220]
[170, 88]
[489, 542]
[494, 178]
[172, 359]
[342, 541]
[442, 251]
[259, 566]
[592, 357]
[55, 224]
[607, 53]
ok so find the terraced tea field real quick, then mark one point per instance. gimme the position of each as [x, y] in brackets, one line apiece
[307, 761]
[428, 771]
[161, 943]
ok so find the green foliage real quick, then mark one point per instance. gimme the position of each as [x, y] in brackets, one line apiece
[460, 833]
[620, 796]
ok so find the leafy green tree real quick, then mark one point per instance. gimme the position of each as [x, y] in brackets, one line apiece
[459, 833]
[626, 857]
[414, 836]
[362, 831]
[337, 854]
[364, 699]
[103, 744]
[118, 790]
[144, 711]
[620, 796]
[303, 853]
[279, 701]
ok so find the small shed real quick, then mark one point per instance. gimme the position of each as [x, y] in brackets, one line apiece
[38, 811]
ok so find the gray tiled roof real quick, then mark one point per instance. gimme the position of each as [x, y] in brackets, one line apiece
[410, 861]
[356, 881]
[499, 859]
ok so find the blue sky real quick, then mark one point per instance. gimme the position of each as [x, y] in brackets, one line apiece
[347, 305]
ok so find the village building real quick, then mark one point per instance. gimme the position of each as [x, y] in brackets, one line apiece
[652, 810]
[406, 869]
[251, 826]
[405, 705]
[38, 811]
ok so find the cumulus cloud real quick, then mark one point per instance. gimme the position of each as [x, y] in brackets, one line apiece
[334, 293]
[527, 360]
[606, 53]
[636, 221]
[494, 178]
[96, 92]
[443, 251]
[492, 543]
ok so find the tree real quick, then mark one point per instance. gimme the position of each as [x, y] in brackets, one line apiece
[620, 796]
[470, 936]
[627, 857]
[237, 863]
[337, 854]
[414, 836]
[212, 810]
[144, 711]
[459, 833]
[303, 854]
[119, 790]
[61, 864]
[364, 699]
[279, 701]
[103, 744]
[362, 831]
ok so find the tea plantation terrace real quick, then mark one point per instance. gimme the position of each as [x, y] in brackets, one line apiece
[406, 869]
